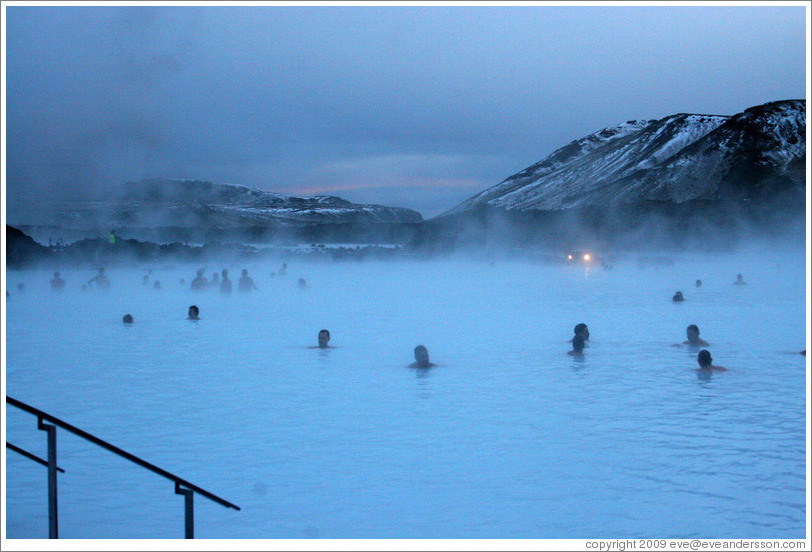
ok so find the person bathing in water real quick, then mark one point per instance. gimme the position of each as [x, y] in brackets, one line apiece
[706, 362]
[100, 281]
[582, 330]
[246, 283]
[57, 284]
[739, 281]
[200, 281]
[577, 346]
[225, 282]
[692, 333]
[421, 356]
[194, 313]
[678, 298]
[324, 340]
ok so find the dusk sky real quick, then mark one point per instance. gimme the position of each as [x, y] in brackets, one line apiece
[403, 105]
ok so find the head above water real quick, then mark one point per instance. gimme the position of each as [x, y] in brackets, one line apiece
[678, 296]
[421, 355]
[324, 338]
[127, 319]
[699, 283]
[582, 330]
[693, 329]
[244, 272]
[194, 312]
[704, 358]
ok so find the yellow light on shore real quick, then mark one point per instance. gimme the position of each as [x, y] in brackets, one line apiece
[569, 257]
[587, 257]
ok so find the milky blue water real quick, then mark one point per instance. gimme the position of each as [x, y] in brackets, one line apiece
[507, 437]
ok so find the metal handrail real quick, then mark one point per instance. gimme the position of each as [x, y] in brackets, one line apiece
[33, 457]
[181, 485]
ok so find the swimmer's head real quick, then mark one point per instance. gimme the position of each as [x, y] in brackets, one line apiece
[578, 343]
[194, 312]
[244, 272]
[56, 274]
[225, 273]
[738, 276]
[582, 330]
[127, 319]
[101, 271]
[200, 272]
[421, 355]
[699, 283]
[704, 358]
[678, 296]
[324, 338]
[692, 332]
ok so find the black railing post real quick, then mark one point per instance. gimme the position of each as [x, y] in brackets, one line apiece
[53, 519]
[189, 509]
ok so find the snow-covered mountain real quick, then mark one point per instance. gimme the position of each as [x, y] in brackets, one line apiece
[755, 154]
[198, 204]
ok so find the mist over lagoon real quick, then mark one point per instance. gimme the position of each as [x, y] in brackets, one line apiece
[507, 437]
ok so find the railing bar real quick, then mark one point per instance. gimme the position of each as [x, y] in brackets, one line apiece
[123, 453]
[27, 454]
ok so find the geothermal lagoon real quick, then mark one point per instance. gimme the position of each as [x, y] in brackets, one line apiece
[507, 437]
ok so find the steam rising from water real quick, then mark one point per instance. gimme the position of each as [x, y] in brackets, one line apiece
[507, 437]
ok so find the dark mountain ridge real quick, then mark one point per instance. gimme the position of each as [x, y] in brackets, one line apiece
[684, 178]
[198, 211]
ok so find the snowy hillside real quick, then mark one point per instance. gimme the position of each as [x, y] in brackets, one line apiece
[187, 203]
[676, 159]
